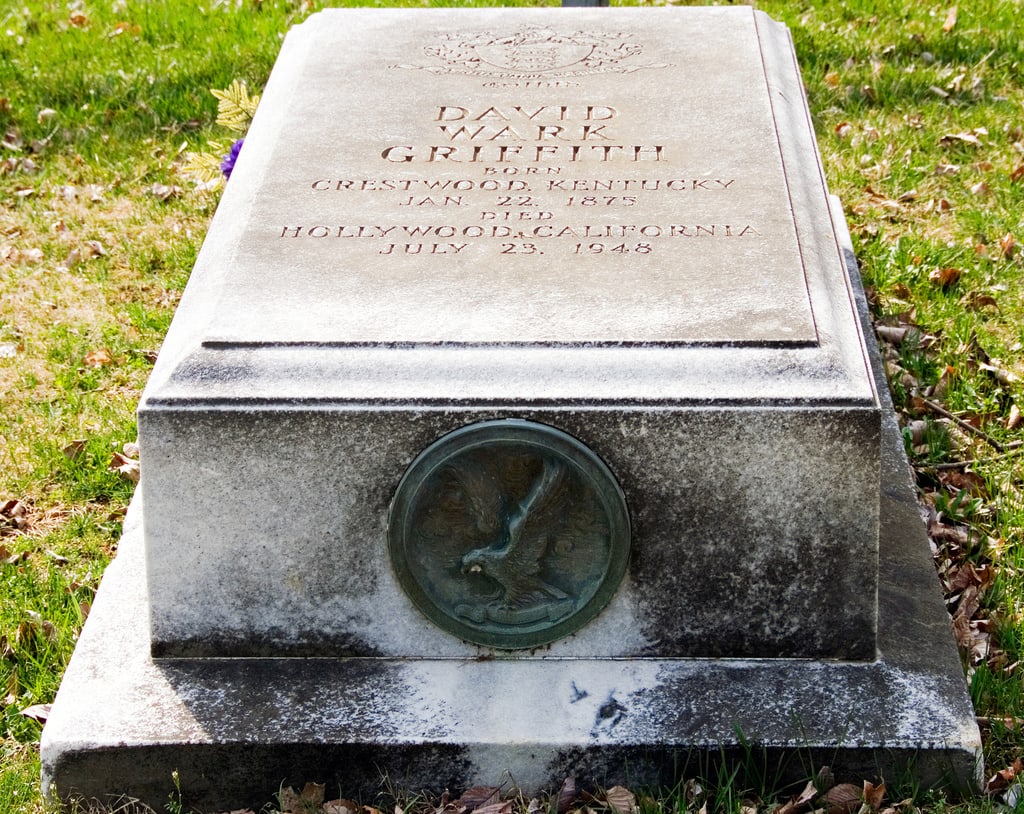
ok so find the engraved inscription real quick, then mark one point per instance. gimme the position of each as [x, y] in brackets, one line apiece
[509, 533]
[511, 207]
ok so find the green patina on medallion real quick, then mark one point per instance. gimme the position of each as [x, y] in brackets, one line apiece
[509, 533]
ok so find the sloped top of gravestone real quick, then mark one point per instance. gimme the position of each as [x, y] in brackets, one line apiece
[501, 180]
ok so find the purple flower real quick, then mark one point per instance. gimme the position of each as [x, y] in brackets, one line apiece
[228, 164]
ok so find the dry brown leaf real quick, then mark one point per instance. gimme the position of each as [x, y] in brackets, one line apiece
[128, 467]
[1017, 173]
[566, 795]
[500, 807]
[94, 248]
[341, 806]
[873, 795]
[842, 799]
[37, 712]
[945, 277]
[1003, 779]
[1007, 245]
[478, 797]
[1013, 419]
[163, 192]
[799, 803]
[965, 138]
[621, 799]
[844, 129]
[125, 27]
[97, 358]
[299, 802]
[892, 334]
[977, 301]
[74, 448]
[313, 794]
[1001, 374]
[78, 20]
[950, 22]
[832, 79]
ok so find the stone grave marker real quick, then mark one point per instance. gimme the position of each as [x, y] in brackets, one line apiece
[521, 419]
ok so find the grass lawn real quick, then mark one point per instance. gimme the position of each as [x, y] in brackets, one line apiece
[919, 110]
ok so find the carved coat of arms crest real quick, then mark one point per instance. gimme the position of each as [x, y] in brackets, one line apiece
[534, 52]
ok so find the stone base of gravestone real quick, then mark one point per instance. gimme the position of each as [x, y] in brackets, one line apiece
[235, 730]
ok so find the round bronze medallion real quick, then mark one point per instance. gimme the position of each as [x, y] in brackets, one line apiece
[509, 533]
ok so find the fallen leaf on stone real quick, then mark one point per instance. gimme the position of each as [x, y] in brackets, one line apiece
[37, 712]
[128, 467]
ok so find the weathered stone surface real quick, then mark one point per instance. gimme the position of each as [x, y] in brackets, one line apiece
[680, 308]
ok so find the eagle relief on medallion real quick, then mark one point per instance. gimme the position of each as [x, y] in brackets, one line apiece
[534, 52]
[509, 534]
